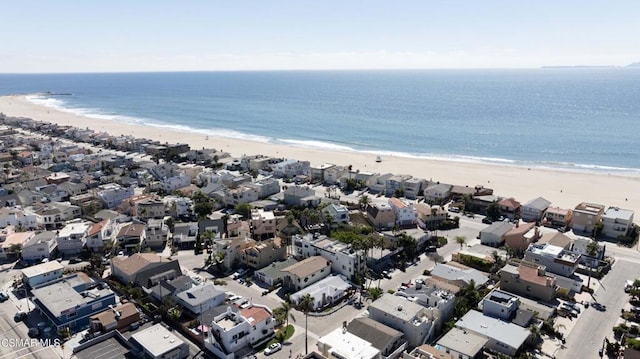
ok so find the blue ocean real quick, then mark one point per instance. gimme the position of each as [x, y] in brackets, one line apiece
[575, 118]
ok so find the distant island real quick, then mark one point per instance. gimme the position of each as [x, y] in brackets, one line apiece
[634, 64]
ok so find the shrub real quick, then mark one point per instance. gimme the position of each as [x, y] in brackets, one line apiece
[426, 272]
[391, 291]
[563, 293]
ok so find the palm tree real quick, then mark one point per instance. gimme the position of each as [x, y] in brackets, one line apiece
[285, 307]
[364, 201]
[461, 240]
[306, 305]
[592, 249]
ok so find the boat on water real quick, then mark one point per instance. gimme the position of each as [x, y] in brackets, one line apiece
[378, 159]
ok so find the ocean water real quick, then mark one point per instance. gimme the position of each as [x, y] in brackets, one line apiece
[576, 119]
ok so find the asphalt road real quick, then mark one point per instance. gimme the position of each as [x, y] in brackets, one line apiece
[593, 326]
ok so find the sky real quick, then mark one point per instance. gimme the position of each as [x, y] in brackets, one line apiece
[43, 36]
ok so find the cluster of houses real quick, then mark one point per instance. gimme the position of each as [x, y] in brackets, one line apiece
[68, 200]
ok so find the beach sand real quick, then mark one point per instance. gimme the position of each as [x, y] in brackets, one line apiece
[563, 188]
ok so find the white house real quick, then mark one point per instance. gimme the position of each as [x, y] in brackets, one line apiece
[201, 298]
[178, 206]
[341, 344]
[556, 259]
[41, 246]
[494, 234]
[237, 330]
[42, 273]
[403, 315]
[17, 218]
[437, 193]
[100, 235]
[344, 259]
[339, 214]
[113, 194]
[72, 238]
[617, 222]
[263, 224]
[159, 342]
[326, 292]
[157, 233]
[290, 168]
[406, 215]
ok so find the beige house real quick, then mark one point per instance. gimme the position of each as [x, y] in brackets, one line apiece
[529, 280]
[381, 216]
[430, 216]
[521, 236]
[509, 207]
[585, 216]
[306, 272]
[263, 253]
[556, 217]
[263, 224]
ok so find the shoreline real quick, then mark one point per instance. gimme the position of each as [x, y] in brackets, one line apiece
[563, 187]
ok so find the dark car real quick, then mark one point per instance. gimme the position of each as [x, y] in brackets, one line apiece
[432, 249]
[20, 316]
[3, 297]
[75, 260]
[33, 332]
[487, 220]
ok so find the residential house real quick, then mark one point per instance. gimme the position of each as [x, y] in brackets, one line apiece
[394, 185]
[556, 259]
[41, 246]
[437, 193]
[485, 254]
[265, 187]
[405, 316]
[479, 204]
[317, 172]
[185, 235]
[11, 242]
[169, 288]
[240, 195]
[494, 234]
[529, 280]
[201, 298]
[158, 342]
[144, 269]
[148, 208]
[113, 194]
[381, 216]
[502, 336]
[232, 331]
[556, 239]
[585, 216]
[131, 236]
[343, 258]
[157, 234]
[378, 183]
[521, 236]
[272, 274]
[439, 303]
[413, 186]
[580, 246]
[326, 292]
[306, 272]
[533, 211]
[331, 175]
[263, 253]
[390, 342]
[510, 208]
[338, 214]
[39, 274]
[556, 217]
[79, 304]
[100, 235]
[427, 351]
[302, 196]
[290, 168]
[17, 218]
[458, 275]
[617, 222]
[72, 238]
[339, 343]
[430, 216]
[116, 318]
[263, 224]
[178, 206]
[231, 250]
[406, 215]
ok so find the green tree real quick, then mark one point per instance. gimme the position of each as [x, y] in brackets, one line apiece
[364, 201]
[306, 305]
[461, 240]
[493, 211]
[243, 209]
[375, 293]
[592, 250]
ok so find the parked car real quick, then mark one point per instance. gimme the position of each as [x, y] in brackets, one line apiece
[598, 306]
[273, 348]
[487, 220]
[33, 332]
[19, 316]
[75, 260]
[386, 274]
[3, 297]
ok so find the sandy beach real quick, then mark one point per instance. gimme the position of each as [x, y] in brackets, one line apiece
[563, 188]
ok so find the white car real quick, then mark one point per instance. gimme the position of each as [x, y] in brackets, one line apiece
[273, 348]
